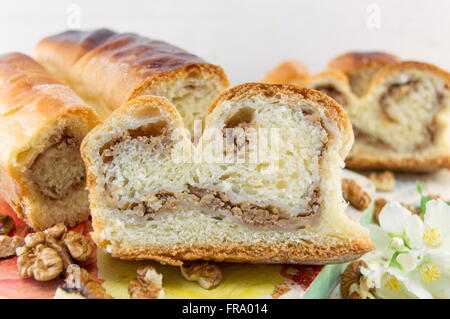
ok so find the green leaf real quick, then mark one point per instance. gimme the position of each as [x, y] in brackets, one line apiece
[419, 187]
[423, 199]
[423, 203]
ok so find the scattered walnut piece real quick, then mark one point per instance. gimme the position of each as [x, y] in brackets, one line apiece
[354, 285]
[79, 284]
[41, 262]
[281, 289]
[6, 224]
[381, 202]
[8, 245]
[355, 194]
[147, 285]
[59, 246]
[383, 181]
[434, 196]
[205, 274]
[56, 232]
[79, 246]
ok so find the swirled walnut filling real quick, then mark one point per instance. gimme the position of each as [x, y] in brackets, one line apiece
[332, 92]
[393, 94]
[59, 169]
[141, 179]
[361, 135]
[219, 203]
[409, 108]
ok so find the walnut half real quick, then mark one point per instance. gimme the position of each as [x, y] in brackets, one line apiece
[355, 194]
[79, 284]
[41, 262]
[8, 245]
[207, 275]
[353, 284]
[78, 245]
[49, 253]
[6, 224]
[147, 285]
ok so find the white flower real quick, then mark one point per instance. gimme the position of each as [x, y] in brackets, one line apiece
[409, 260]
[431, 277]
[392, 286]
[412, 259]
[399, 230]
[437, 225]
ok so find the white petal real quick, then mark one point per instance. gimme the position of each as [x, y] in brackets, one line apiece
[392, 218]
[440, 288]
[437, 215]
[413, 286]
[414, 231]
[409, 261]
[381, 240]
[438, 257]
[383, 291]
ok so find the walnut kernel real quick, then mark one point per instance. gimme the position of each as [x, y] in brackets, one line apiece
[41, 262]
[79, 246]
[6, 224]
[353, 284]
[205, 274]
[8, 245]
[58, 245]
[147, 285]
[355, 194]
[79, 284]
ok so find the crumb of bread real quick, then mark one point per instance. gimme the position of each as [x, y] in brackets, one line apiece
[281, 289]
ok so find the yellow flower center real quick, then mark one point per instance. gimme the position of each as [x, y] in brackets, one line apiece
[430, 273]
[393, 283]
[431, 236]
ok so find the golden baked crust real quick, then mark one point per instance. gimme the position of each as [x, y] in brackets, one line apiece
[353, 61]
[336, 74]
[361, 67]
[31, 104]
[108, 69]
[408, 65]
[418, 165]
[281, 253]
[288, 72]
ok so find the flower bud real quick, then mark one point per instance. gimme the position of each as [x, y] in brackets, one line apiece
[397, 243]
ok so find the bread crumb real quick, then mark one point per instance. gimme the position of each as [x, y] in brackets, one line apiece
[280, 289]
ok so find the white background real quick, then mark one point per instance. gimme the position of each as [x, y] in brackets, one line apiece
[247, 37]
